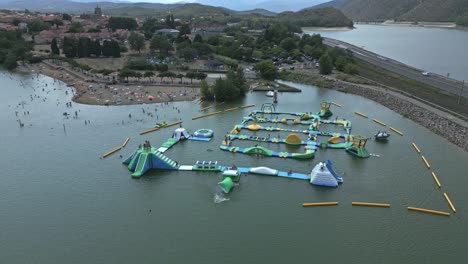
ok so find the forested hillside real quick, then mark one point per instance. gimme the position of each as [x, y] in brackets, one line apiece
[405, 10]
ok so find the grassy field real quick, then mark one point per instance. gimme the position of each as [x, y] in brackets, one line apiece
[104, 63]
[412, 87]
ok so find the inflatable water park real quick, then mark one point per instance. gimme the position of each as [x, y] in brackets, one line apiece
[262, 123]
[265, 122]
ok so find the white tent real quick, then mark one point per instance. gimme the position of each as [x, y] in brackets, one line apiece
[322, 174]
[180, 133]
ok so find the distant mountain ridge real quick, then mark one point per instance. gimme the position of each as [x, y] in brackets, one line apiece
[75, 7]
[403, 10]
[79, 6]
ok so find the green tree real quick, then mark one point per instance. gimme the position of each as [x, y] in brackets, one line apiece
[288, 44]
[66, 17]
[191, 75]
[326, 64]
[54, 47]
[200, 76]
[37, 25]
[76, 27]
[10, 61]
[161, 43]
[171, 75]
[16, 21]
[83, 47]
[162, 67]
[115, 23]
[106, 48]
[206, 91]
[69, 47]
[180, 76]
[97, 48]
[198, 38]
[148, 75]
[126, 73]
[187, 53]
[340, 63]
[266, 69]
[170, 21]
[184, 30]
[202, 49]
[350, 69]
[162, 75]
[224, 90]
[136, 41]
[115, 48]
[57, 22]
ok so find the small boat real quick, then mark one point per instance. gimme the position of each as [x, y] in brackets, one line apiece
[382, 136]
[270, 94]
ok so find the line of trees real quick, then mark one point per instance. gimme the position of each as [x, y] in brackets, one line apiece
[128, 73]
[85, 47]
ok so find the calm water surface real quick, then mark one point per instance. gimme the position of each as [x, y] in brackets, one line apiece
[59, 203]
[436, 50]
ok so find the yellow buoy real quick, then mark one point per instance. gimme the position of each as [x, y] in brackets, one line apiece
[333, 103]
[416, 148]
[319, 204]
[246, 106]
[206, 108]
[361, 114]
[425, 161]
[396, 131]
[371, 204]
[126, 142]
[435, 179]
[450, 203]
[157, 128]
[428, 211]
[378, 122]
[231, 109]
[111, 152]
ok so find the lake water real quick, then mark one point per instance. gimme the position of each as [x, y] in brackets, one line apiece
[438, 50]
[60, 203]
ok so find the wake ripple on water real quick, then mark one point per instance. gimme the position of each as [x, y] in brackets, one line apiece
[219, 198]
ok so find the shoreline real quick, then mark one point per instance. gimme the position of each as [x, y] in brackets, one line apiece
[445, 25]
[327, 28]
[95, 91]
[401, 104]
[419, 113]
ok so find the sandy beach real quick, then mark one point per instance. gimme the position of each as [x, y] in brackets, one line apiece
[96, 91]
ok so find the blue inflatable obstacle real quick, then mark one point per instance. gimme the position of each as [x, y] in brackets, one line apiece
[324, 175]
[148, 158]
[202, 135]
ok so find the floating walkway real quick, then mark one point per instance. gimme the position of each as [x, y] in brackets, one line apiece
[268, 152]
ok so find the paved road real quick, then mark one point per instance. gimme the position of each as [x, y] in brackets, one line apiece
[438, 81]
